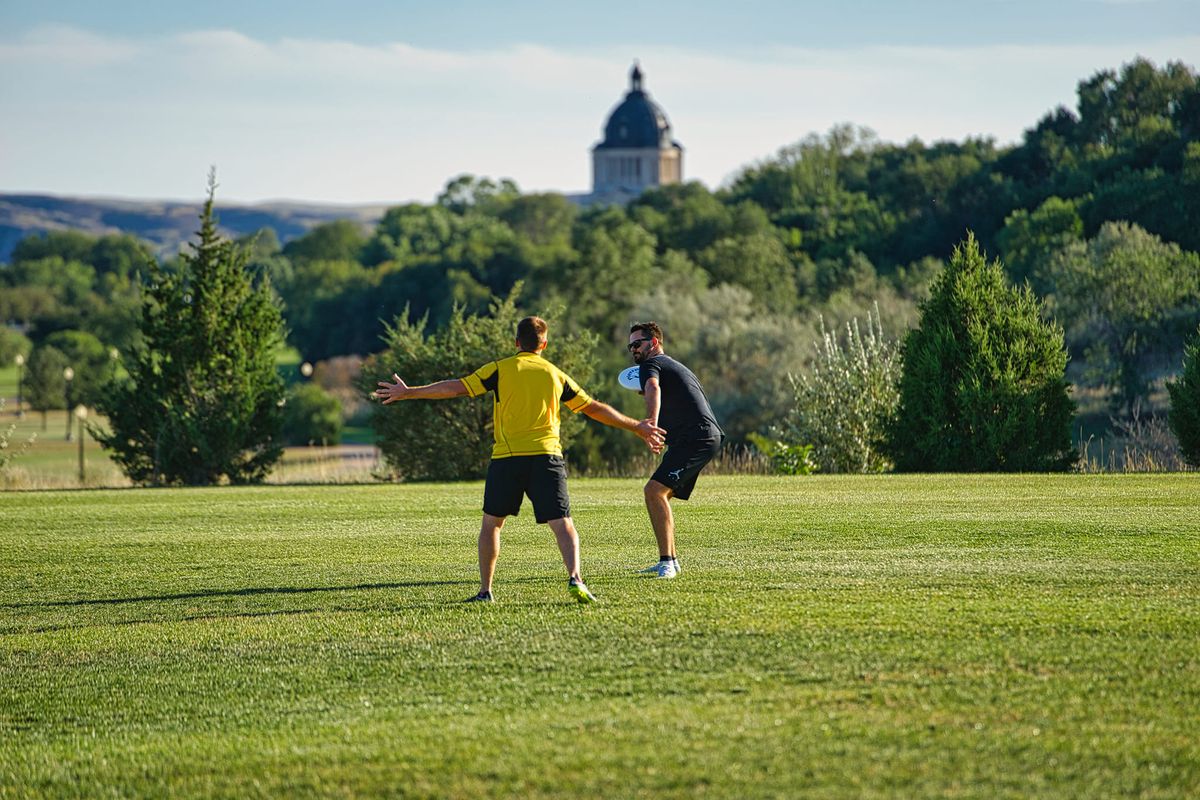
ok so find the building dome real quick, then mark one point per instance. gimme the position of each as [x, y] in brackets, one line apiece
[638, 121]
[638, 152]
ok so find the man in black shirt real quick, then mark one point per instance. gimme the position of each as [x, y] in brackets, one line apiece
[675, 401]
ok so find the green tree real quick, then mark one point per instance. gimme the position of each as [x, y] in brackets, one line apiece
[1125, 295]
[12, 344]
[468, 192]
[340, 240]
[983, 387]
[1184, 417]
[121, 256]
[452, 440]
[202, 403]
[411, 233]
[315, 299]
[760, 263]
[615, 266]
[90, 359]
[45, 386]
[65, 245]
[311, 416]
[1029, 240]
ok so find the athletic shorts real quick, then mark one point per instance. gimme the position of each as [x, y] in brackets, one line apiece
[682, 462]
[542, 477]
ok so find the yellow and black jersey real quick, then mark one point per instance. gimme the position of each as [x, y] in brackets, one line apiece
[527, 390]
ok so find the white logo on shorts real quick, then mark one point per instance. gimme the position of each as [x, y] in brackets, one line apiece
[675, 473]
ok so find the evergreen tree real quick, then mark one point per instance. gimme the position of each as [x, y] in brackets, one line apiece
[1184, 417]
[202, 403]
[983, 387]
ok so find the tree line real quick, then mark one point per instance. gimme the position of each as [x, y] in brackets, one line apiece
[1096, 210]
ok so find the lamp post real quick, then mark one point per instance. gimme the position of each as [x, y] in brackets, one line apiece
[81, 415]
[68, 376]
[20, 359]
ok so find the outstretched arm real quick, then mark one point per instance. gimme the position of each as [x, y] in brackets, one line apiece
[442, 390]
[650, 433]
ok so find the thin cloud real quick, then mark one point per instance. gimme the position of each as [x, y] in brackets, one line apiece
[332, 120]
[65, 45]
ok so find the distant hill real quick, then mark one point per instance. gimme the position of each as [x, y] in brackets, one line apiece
[165, 225]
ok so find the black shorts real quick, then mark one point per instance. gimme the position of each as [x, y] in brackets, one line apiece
[542, 477]
[682, 462]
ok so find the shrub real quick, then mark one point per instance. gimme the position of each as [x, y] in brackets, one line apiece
[983, 386]
[785, 458]
[1184, 417]
[311, 416]
[452, 439]
[843, 401]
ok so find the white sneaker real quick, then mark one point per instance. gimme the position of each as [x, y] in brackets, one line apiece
[663, 569]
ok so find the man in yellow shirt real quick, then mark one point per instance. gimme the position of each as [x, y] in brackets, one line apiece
[527, 458]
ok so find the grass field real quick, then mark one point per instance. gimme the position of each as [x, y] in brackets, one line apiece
[925, 636]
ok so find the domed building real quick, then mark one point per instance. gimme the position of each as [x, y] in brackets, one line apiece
[637, 152]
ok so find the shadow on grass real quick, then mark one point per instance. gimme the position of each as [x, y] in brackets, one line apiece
[106, 601]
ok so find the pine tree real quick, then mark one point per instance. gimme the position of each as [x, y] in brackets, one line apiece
[983, 386]
[202, 404]
[1184, 417]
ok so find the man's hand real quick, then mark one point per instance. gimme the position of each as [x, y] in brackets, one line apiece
[651, 434]
[391, 392]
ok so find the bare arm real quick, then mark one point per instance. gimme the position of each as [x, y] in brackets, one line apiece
[650, 433]
[653, 396]
[442, 390]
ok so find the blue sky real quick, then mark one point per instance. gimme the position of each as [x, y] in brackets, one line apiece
[382, 102]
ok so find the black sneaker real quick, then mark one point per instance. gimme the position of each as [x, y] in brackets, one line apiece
[482, 597]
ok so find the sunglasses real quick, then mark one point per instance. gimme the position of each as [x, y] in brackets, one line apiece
[635, 345]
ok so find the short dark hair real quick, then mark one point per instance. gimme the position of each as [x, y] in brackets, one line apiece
[531, 332]
[651, 328]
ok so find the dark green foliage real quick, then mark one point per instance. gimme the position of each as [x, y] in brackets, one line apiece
[67, 280]
[1128, 295]
[831, 226]
[67, 245]
[982, 388]
[92, 362]
[12, 344]
[785, 458]
[760, 263]
[1184, 417]
[341, 240]
[45, 386]
[311, 416]
[202, 403]
[1028, 240]
[452, 439]
[468, 192]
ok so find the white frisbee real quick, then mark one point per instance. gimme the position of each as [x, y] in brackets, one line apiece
[629, 378]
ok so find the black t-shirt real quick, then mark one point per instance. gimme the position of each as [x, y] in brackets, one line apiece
[684, 410]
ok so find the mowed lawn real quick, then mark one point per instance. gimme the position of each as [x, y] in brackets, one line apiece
[923, 636]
